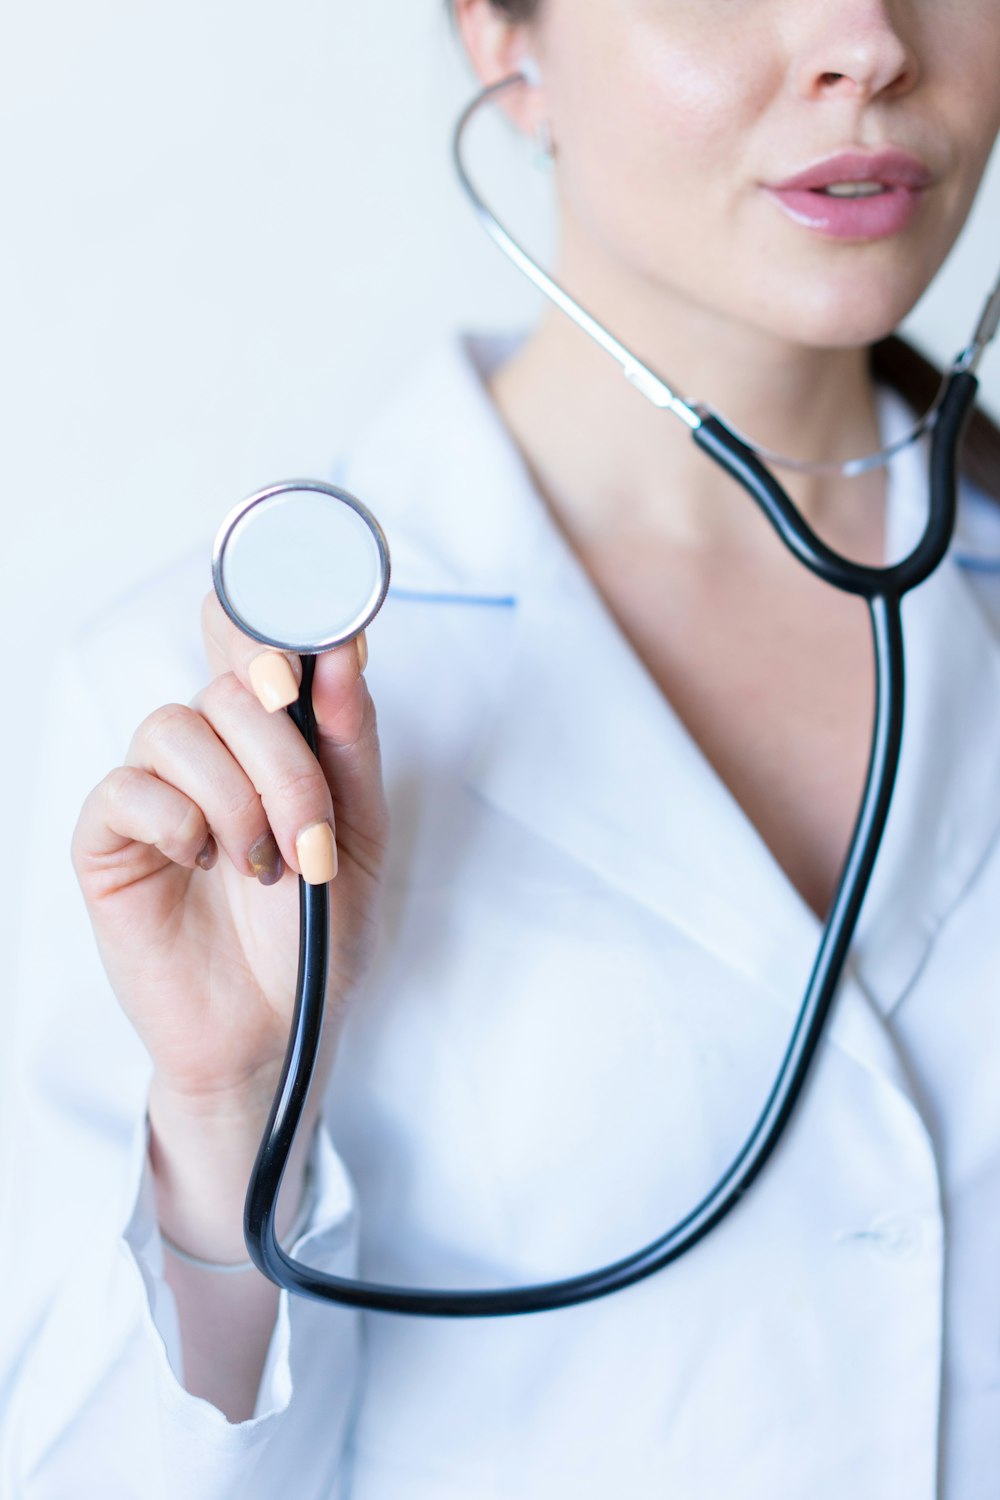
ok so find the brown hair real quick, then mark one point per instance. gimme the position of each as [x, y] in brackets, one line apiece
[894, 362]
[899, 365]
[518, 10]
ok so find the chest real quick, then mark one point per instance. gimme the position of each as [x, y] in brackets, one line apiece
[771, 673]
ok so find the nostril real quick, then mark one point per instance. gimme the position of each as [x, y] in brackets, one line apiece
[830, 78]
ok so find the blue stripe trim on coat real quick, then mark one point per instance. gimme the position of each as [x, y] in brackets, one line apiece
[497, 601]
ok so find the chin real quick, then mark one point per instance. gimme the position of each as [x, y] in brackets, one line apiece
[863, 295]
[849, 313]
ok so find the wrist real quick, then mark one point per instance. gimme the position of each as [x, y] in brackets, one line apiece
[201, 1155]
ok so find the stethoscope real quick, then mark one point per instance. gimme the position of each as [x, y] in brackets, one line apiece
[303, 566]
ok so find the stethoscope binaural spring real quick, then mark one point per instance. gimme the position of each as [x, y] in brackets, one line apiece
[882, 588]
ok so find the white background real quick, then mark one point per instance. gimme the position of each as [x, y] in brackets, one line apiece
[227, 229]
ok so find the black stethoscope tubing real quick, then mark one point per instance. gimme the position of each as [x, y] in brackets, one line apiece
[883, 589]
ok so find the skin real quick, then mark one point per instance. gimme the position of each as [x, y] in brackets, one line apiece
[665, 233]
[216, 1027]
[667, 116]
[664, 230]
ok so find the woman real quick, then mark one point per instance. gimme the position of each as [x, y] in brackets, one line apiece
[624, 738]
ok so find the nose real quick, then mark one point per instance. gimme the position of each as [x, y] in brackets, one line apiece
[855, 50]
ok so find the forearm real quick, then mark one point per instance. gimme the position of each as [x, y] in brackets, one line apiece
[201, 1162]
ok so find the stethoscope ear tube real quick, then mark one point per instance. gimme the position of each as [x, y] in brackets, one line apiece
[954, 410]
[304, 1041]
[883, 589]
[950, 424]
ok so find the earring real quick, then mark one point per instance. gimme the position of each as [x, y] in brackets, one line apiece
[544, 148]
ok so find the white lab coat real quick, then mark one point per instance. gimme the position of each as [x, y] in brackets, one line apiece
[589, 967]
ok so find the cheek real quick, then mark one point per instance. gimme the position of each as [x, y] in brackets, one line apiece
[982, 126]
[696, 102]
[657, 129]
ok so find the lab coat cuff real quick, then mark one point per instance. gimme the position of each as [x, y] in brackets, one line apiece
[326, 1241]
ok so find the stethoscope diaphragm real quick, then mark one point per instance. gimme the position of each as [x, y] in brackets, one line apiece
[301, 566]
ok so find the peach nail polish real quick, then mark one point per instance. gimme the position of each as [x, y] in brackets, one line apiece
[317, 852]
[362, 645]
[273, 680]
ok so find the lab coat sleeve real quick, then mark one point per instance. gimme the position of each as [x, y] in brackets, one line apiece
[92, 1399]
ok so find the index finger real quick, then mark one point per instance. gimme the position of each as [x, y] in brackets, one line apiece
[272, 676]
[275, 677]
[347, 734]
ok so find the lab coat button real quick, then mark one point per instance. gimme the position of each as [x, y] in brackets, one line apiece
[898, 1237]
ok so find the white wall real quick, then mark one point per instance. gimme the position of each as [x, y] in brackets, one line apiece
[226, 228]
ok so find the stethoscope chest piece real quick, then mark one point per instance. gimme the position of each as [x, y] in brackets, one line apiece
[301, 566]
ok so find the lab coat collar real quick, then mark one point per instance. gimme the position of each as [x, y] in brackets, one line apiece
[441, 474]
[637, 802]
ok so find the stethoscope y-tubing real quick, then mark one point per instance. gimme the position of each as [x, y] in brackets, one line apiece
[883, 589]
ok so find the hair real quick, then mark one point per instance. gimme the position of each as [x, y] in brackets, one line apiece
[894, 361]
[518, 10]
[898, 364]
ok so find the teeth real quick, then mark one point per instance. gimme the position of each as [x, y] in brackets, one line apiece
[854, 189]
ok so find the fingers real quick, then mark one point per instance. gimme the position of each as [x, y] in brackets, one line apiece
[347, 733]
[347, 745]
[254, 779]
[132, 806]
[291, 789]
[229, 772]
[274, 676]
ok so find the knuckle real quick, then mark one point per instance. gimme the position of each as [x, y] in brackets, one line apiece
[118, 788]
[95, 808]
[223, 693]
[362, 722]
[301, 784]
[242, 807]
[353, 720]
[165, 724]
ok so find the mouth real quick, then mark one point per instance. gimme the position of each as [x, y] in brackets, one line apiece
[853, 189]
[855, 195]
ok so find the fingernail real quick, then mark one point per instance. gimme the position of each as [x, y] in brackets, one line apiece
[273, 680]
[317, 852]
[362, 645]
[265, 859]
[206, 859]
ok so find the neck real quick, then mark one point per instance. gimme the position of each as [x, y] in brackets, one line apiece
[606, 460]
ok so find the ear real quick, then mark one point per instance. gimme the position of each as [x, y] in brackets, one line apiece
[496, 47]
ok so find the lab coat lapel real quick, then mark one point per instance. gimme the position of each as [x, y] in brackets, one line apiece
[580, 746]
[584, 751]
[946, 811]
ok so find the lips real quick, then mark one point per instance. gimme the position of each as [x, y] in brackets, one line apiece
[891, 168]
[857, 195]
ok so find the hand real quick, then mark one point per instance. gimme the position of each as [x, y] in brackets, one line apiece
[184, 856]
